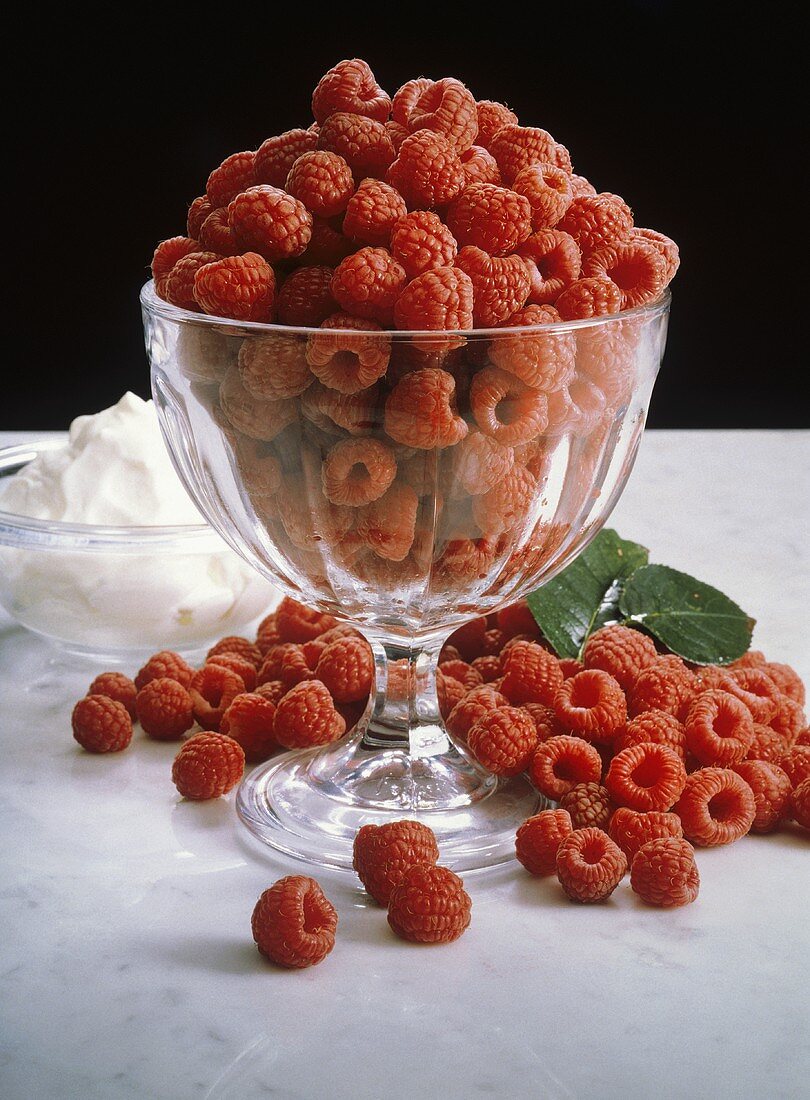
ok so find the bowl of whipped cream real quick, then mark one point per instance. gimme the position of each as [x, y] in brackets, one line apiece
[103, 552]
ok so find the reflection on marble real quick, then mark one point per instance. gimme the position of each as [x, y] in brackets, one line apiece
[128, 970]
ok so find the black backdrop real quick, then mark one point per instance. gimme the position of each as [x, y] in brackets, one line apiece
[692, 114]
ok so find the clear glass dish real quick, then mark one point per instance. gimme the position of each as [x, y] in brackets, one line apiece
[115, 594]
[265, 424]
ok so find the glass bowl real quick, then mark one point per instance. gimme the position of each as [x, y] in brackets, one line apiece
[404, 482]
[116, 594]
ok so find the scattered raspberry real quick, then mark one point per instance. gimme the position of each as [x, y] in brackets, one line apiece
[631, 829]
[548, 190]
[664, 873]
[197, 213]
[597, 221]
[322, 181]
[418, 412]
[492, 117]
[368, 284]
[492, 218]
[588, 805]
[277, 155]
[538, 840]
[561, 763]
[440, 299]
[501, 284]
[590, 865]
[294, 923]
[164, 709]
[327, 246]
[350, 359]
[350, 86]
[273, 664]
[357, 471]
[235, 174]
[249, 720]
[383, 853]
[474, 705]
[585, 298]
[388, 524]
[771, 787]
[274, 690]
[208, 766]
[717, 807]
[503, 740]
[637, 269]
[570, 666]
[531, 674]
[543, 361]
[346, 667]
[115, 686]
[646, 777]
[297, 623]
[306, 716]
[506, 409]
[517, 619]
[796, 762]
[480, 166]
[101, 724]
[591, 704]
[621, 652]
[295, 667]
[165, 663]
[178, 286]
[666, 684]
[800, 804]
[213, 689]
[554, 260]
[306, 297]
[468, 639]
[755, 688]
[372, 213]
[365, 144]
[422, 242]
[427, 171]
[270, 222]
[168, 253]
[397, 133]
[666, 248]
[448, 108]
[217, 236]
[241, 287]
[517, 147]
[656, 727]
[429, 905]
[242, 647]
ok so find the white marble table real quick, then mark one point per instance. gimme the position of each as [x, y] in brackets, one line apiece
[128, 969]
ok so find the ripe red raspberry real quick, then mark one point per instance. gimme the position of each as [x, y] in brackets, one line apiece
[717, 807]
[268, 220]
[505, 506]
[492, 117]
[267, 634]
[538, 840]
[306, 716]
[260, 419]
[273, 664]
[274, 690]
[796, 762]
[548, 190]
[771, 787]
[350, 359]
[418, 412]
[790, 720]
[588, 805]
[450, 692]
[799, 805]
[488, 668]
[637, 269]
[544, 361]
[591, 704]
[646, 777]
[295, 667]
[396, 133]
[178, 286]
[294, 923]
[490, 217]
[277, 155]
[115, 686]
[167, 254]
[666, 248]
[503, 740]
[165, 663]
[596, 221]
[501, 284]
[407, 97]
[235, 174]
[212, 690]
[570, 667]
[357, 413]
[666, 684]
[297, 623]
[561, 762]
[322, 181]
[590, 865]
[531, 674]
[346, 667]
[306, 298]
[241, 287]
[373, 211]
[197, 213]
[463, 672]
[164, 709]
[429, 905]
[350, 86]
[208, 766]
[468, 639]
[273, 368]
[656, 727]
[506, 409]
[474, 705]
[554, 260]
[422, 242]
[754, 658]
[517, 619]
[101, 724]
[357, 471]
[581, 186]
[383, 853]
[480, 166]
[242, 647]
[388, 525]
[249, 720]
[631, 829]
[438, 300]
[719, 728]
[427, 171]
[368, 284]
[621, 652]
[664, 873]
[327, 245]
[446, 107]
[362, 142]
[545, 721]
[787, 680]
[217, 236]
[767, 744]
[517, 147]
[586, 298]
[755, 688]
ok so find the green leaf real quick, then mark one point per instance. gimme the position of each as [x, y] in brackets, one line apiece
[585, 595]
[691, 618]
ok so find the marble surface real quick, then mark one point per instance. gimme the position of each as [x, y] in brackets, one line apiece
[128, 969]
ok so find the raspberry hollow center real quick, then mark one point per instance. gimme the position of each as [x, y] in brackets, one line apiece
[723, 807]
[628, 274]
[585, 694]
[312, 914]
[592, 852]
[647, 773]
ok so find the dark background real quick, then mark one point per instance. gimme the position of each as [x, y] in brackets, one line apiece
[692, 114]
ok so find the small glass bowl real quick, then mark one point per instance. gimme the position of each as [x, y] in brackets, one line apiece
[117, 594]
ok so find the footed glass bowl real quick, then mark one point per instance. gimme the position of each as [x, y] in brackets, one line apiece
[404, 482]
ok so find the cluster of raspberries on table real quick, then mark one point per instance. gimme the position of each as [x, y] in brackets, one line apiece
[428, 211]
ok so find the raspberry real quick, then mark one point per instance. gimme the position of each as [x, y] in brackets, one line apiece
[656, 727]
[590, 865]
[277, 155]
[548, 190]
[506, 505]
[267, 634]
[480, 166]
[505, 409]
[585, 298]
[492, 117]
[368, 284]
[474, 705]
[448, 108]
[388, 525]
[241, 287]
[114, 685]
[213, 689]
[242, 647]
[591, 704]
[479, 464]
[450, 692]
[295, 667]
[217, 236]
[754, 658]
[581, 186]
[719, 728]
[273, 690]
[373, 211]
[306, 716]
[427, 171]
[666, 684]
[418, 411]
[545, 721]
[249, 720]
[273, 368]
[588, 805]
[596, 221]
[297, 623]
[637, 269]
[665, 247]
[422, 242]
[646, 777]
[383, 853]
[294, 923]
[208, 766]
[538, 840]
[244, 669]
[501, 284]
[357, 471]
[771, 787]
[796, 762]
[165, 663]
[168, 253]
[503, 740]
[717, 807]
[178, 286]
[664, 873]
[271, 222]
[517, 619]
[357, 413]
[396, 133]
[350, 359]
[570, 666]
[235, 174]
[799, 805]
[101, 724]
[494, 641]
[468, 639]
[516, 147]
[787, 680]
[322, 181]
[789, 720]
[437, 300]
[767, 744]
[755, 688]
[621, 652]
[346, 667]
[491, 218]
[561, 763]
[276, 658]
[488, 668]
[197, 213]
[305, 297]
[164, 709]
[257, 418]
[429, 905]
[555, 262]
[326, 245]
[531, 674]
[350, 86]
[463, 672]
[543, 361]
[631, 829]
[362, 142]
[406, 99]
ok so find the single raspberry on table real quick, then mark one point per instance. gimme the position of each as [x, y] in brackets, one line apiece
[503, 740]
[208, 766]
[197, 213]
[548, 189]
[646, 777]
[368, 284]
[388, 525]
[346, 667]
[437, 300]
[269, 221]
[593, 297]
[294, 923]
[796, 762]
[517, 147]
[755, 688]
[637, 268]
[655, 726]
[506, 409]
[165, 663]
[501, 284]
[276, 156]
[383, 853]
[590, 865]
[295, 622]
[492, 117]
[101, 724]
[427, 171]
[213, 689]
[305, 297]
[531, 674]
[235, 174]
[117, 686]
[544, 361]
[663, 873]
[164, 709]
[799, 805]
[561, 763]
[588, 805]
[353, 357]
[474, 705]
[538, 840]
[717, 807]
[480, 166]
[357, 471]
[631, 829]
[240, 287]
[306, 716]
[364, 143]
[771, 786]
[422, 242]
[491, 218]
[168, 252]
[446, 107]
[621, 652]
[591, 704]
[719, 729]
[418, 411]
[372, 213]
[178, 286]
[322, 181]
[429, 905]
[666, 248]
[350, 86]
[249, 720]
[274, 368]
[596, 221]
[666, 684]
[554, 262]
[242, 647]
[217, 236]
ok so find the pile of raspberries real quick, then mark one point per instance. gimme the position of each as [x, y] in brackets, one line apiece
[644, 755]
